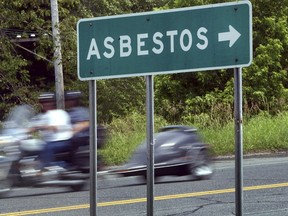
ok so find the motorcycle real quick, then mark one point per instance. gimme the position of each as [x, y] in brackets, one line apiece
[19, 152]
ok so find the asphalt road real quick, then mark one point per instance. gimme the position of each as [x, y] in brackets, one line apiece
[265, 194]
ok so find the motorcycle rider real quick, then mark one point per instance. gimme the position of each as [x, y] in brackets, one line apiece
[31, 159]
[55, 128]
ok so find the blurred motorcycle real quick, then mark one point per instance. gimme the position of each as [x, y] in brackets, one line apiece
[178, 151]
[19, 151]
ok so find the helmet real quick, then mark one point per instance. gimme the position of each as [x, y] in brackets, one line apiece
[72, 95]
[47, 97]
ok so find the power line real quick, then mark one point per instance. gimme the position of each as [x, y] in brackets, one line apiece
[32, 52]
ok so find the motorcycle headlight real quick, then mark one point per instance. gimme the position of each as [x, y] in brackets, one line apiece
[168, 145]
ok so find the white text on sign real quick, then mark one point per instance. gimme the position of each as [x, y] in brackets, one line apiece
[184, 38]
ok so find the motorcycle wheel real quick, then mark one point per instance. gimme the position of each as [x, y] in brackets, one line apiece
[5, 187]
[203, 169]
[203, 172]
[78, 187]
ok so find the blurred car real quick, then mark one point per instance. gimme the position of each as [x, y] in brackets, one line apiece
[178, 150]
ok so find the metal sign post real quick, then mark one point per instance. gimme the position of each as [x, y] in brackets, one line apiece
[238, 141]
[93, 147]
[150, 143]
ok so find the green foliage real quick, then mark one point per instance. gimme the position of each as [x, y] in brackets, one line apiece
[12, 69]
[120, 97]
[265, 81]
[218, 107]
[190, 97]
[221, 138]
[203, 99]
[198, 96]
[266, 133]
[36, 70]
[262, 133]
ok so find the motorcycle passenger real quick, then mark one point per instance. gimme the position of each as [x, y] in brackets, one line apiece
[55, 128]
[79, 116]
[80, 123]
[80, 120]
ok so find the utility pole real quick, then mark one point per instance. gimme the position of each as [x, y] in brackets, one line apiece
[59, 83]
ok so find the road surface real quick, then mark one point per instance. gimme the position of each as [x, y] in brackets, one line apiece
[265, 194]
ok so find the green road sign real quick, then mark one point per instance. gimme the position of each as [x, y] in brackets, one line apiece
[199, 38]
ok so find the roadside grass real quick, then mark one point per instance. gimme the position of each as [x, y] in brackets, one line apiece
[266, 133]
[221, 139]
[262, 133]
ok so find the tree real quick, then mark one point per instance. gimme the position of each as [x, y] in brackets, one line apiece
[33, 60]
[12, 69]
[177, 96]
[264, 82]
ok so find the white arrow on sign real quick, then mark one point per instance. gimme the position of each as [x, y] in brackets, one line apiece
[232, 36]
